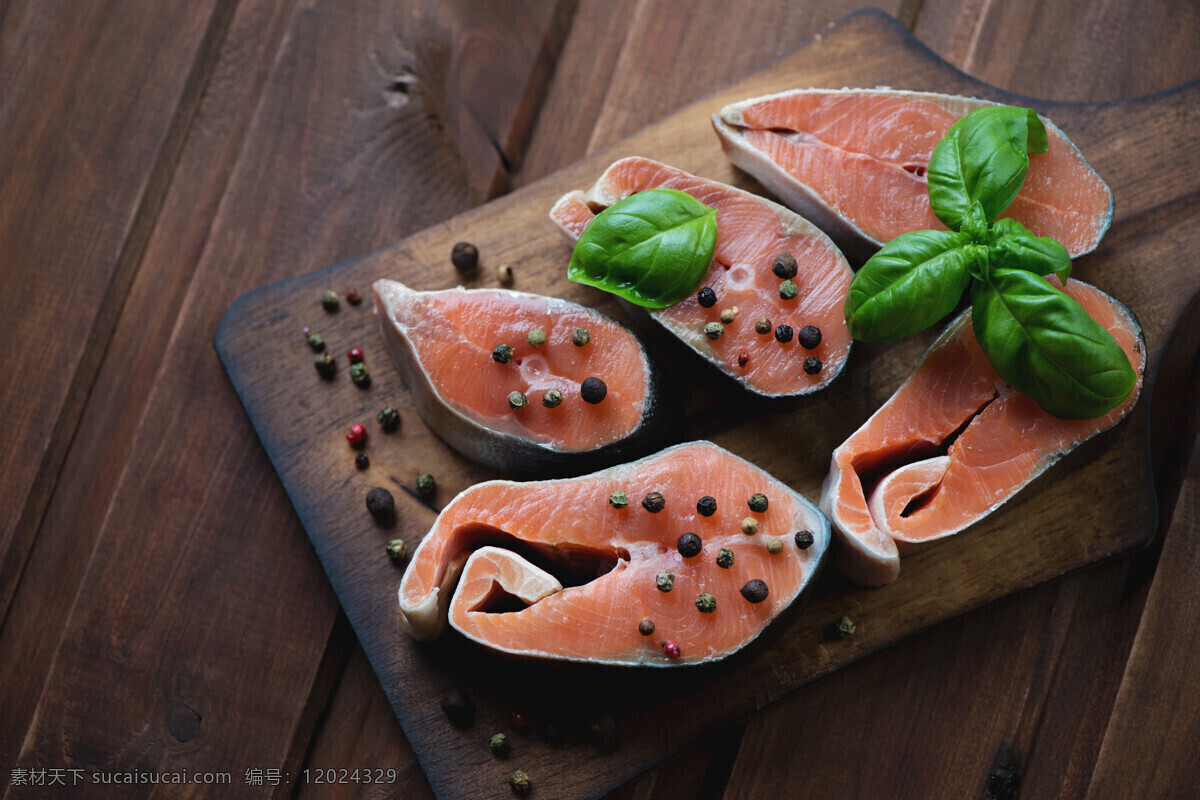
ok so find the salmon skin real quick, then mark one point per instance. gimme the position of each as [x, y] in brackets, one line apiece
[442, 343]
[951, 445]
[751, 232]
[854, 161]
[552, 569]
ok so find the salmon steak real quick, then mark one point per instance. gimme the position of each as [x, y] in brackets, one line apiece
[952, 444]
[774, 341]
[680, 558]
[520, 382]
[854, 161]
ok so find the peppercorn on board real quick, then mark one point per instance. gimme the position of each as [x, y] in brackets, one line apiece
[586, 743]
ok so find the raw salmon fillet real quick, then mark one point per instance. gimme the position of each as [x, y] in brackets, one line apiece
[442, 344]
[854, 162]
[489, 563]
[751, 232]
[953, 443]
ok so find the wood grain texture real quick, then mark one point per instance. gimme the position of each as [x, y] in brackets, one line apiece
[218, 646]
[944, 581]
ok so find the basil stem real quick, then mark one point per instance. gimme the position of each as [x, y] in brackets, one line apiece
[983, 158]
[652, 248]
[912, 282]
[1046, 346]
[1012, 246]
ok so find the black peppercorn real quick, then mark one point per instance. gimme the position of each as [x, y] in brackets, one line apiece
[646, 627]
[804, 539]
[593, 390]
[784, 266]
[689, 545]
[361, 461]
[809, 337]
[654, 502]
[812, 365]
[783, 334]
[706, 297]
[381, 504]
[464, 256]
[706, 506]
[757, 502]
[459, 708]
[755, 591]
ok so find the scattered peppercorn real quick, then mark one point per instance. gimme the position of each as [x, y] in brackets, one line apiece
[757, 502]
[580, 337]
[762, 326]
[654, 502]
[329, 300]
[518, 721]
[536, 337]
[326, 366]
[464, 256]
[500, 746]
[755, 591]
[315, 340]
[774, 545]
[603, 732]
[593, 390]
[729, 315]
[646, 627]
[689, 545]
[788, 290]
[380, 504]
[519, 782]
[355, 355]
[397, 550]
[664, 581]
[784, 266]
[783, 334]
[516, 401]
[713, 330]
[844, 627]
[458, 707]
[809, 337]
[670, 649]
[706, 506]
[812, 365]
[388, 419]
[357, 437]
[618, 499]
[706, 297]
[706, 603]
[502, 354]
[804, 539]
[749, 526]
[360, 376]
[743, 358]
[504, 274]
[426, 486]
[724, 558]
[552, 398]
[361, 461]
[353, 297]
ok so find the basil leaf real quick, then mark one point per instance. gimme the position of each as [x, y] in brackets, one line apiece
[652, 248]
[1012, 246]
[1047, 347]
[983, 158]
[912, 282]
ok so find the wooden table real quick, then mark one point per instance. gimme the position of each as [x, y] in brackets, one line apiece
[162, 607]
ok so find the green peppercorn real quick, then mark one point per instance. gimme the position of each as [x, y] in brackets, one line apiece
[755, 591]
[724, 558]
[519, 782]
[326, 366]
[552, 398]
[536, 337]
[646, 627]
[762, 326]
[804, 539]
[757, 502]
[844, 627]
[516, 401]
[580, 337]
[397, 551]
[774, 545]
[426, 486]
[665, 581]
[329, 300]
[499, 745]
[502, 354]
[360, 376]
[388, 419]
[713, 330]
[618, 499]
[788, 290]
[784, 266]
[316, 341]
[706, 506]
[654, 502]
[706, 603]
[749, 526]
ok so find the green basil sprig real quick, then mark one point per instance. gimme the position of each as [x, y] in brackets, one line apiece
[652, 248]
[1039, 340]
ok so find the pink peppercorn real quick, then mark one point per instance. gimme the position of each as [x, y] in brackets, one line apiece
[357, 437]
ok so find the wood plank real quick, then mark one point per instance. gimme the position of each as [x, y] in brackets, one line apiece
[225, 626]
[86, 159]
[304, 447]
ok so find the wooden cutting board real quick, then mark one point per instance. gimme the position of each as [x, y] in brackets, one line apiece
[1097, 503]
